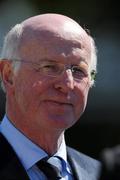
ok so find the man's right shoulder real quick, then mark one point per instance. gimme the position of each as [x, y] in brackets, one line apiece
[88, 166]
[80, 156]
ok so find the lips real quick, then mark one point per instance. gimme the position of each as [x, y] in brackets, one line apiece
[57, 103]
[57, 108]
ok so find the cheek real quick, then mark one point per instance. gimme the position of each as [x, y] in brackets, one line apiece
[23, 92]
[29, 93]
[82, 95]
[23, 95]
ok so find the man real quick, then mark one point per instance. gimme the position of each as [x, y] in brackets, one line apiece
[48, 63]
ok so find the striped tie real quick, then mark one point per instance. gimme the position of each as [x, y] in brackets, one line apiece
[51, 171]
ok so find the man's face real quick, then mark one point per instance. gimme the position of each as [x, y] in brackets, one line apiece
[51, 102]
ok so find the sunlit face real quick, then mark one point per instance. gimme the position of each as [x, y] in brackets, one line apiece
[52, 102]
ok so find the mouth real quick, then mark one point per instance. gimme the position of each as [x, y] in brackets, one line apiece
[58, 103]
[59, 106]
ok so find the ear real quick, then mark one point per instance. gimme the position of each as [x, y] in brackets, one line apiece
[6, 73]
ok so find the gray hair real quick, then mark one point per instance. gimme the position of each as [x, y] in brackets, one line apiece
[11, 43]
[10, 49]
[93, 64]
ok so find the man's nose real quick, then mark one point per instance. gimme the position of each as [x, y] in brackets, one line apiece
[66, 81]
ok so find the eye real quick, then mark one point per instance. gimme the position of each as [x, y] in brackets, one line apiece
[78, 72]
[50, 68]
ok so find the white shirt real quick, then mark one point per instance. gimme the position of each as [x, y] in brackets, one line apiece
[29, 153]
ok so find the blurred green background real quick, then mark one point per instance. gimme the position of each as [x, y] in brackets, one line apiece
[99, 127]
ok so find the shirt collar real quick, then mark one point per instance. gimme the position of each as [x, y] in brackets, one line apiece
[28, 152]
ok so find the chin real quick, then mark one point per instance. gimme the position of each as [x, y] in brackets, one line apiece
[61, 122]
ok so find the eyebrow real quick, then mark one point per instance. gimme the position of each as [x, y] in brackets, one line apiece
[46, 60]
[53, 60]
[82, 60]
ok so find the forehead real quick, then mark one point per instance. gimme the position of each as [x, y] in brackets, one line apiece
[67, 40]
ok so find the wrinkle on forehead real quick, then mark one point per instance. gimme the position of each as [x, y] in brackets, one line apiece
[54, 25]
[54, 32]
[50, 20]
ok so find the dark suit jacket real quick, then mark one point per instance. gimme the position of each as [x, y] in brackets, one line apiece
[83, 167]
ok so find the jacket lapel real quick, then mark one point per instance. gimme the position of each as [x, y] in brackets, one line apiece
[74, 165]
[10, 166]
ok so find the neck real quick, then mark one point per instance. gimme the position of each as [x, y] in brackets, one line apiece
[47, 138]
[49, 142]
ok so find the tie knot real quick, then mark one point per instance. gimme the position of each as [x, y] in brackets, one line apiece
[56, 161]
[51, 167]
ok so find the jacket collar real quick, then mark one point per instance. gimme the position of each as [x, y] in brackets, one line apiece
[10, 166]
[12, 169]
